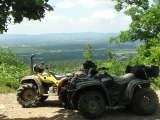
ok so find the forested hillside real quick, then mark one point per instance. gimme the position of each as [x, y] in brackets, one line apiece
[65, 46]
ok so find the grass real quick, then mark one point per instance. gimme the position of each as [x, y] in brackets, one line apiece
[5, 89]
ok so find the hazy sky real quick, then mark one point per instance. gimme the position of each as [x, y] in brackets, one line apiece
[76, 16]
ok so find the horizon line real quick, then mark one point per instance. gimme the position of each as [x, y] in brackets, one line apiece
[59, 33]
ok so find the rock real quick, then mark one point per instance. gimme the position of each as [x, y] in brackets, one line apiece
[2, 106]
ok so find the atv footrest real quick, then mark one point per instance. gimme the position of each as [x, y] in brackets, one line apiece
[45, 94]
[115, 107]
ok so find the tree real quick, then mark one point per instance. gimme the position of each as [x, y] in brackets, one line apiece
[145, 20]
[88, 52]
[157, 1]
[16, 10]
[145, 26]
[109, 54]
[131, 4]
[149, 55]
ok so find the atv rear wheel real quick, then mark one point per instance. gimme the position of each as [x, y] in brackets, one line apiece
[91, 104]
[145, 102]
[27, 95]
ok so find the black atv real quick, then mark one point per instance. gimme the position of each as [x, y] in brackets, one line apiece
[98, 91]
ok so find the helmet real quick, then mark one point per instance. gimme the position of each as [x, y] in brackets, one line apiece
[88, 65]
[38, 68]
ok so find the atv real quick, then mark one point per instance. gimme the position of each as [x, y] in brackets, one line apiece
[99, 91]
[35, 88]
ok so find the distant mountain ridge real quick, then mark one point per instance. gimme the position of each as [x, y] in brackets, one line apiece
[54, 38]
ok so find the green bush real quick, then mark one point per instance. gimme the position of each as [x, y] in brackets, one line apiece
[156, 83]
[11, 69]
[113, 66]
[88, 52]
[65, 66]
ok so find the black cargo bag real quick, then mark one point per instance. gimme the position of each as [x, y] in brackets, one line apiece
[143, 71]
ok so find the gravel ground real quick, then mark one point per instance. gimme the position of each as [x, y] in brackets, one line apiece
[51, 110]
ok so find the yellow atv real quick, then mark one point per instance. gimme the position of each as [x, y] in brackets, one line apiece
[35, 88]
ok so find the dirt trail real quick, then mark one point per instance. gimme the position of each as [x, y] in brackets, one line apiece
[50, 110]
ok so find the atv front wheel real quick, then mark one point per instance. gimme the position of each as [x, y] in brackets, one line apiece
[27, 95]
[91, 104]
[145, 102]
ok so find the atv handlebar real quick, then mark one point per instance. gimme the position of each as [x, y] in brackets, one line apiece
[32, 62]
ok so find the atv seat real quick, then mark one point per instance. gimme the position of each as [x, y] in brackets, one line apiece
[59, 77]
[124, 79]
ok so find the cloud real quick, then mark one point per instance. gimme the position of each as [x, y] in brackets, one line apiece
[83, 3]
[65, 4]
[104, 14]
[97, 19]
[105, 21]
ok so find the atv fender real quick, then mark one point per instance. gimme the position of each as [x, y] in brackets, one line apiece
[133, 85]
[94, 85]
[86, 84]
[34, 80]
